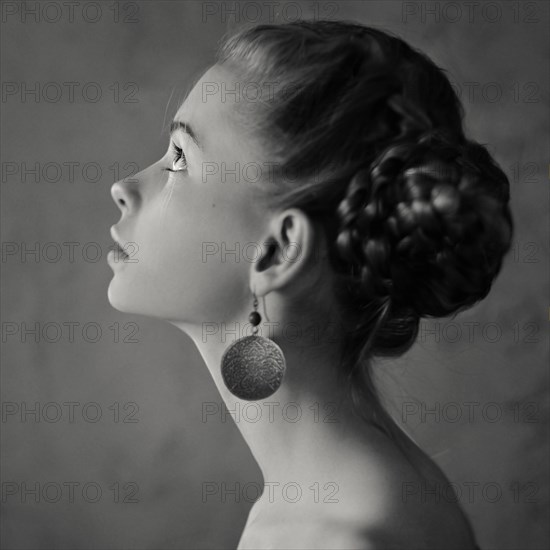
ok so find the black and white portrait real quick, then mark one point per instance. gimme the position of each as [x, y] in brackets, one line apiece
[274, 275]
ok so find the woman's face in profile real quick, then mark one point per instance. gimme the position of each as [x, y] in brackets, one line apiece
[187, 212]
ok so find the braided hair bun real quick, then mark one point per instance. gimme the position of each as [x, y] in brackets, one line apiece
[424, 228]
[427, 225]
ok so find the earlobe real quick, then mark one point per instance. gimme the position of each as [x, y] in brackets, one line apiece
[286, 251]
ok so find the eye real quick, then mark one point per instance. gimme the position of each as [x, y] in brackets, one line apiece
[177, 159]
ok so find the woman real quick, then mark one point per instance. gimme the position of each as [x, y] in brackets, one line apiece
[317, 199]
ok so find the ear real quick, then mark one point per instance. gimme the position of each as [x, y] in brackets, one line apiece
[288, 250]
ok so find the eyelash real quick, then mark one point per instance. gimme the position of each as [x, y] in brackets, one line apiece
[177, 156]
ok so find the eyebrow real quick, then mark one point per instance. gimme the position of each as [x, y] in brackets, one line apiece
[186, 128]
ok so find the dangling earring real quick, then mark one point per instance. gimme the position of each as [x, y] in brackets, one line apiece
[253, 367]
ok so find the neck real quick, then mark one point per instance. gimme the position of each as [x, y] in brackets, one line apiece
[307, 423]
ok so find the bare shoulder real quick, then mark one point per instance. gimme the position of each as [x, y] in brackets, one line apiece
[385, 504]
[396, 502]
[335, 533]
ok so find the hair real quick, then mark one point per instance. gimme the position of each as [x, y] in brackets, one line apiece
[368, 134]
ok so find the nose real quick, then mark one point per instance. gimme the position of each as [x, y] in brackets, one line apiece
[126, 194]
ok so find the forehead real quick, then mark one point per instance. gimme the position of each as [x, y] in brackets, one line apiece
[221, 116]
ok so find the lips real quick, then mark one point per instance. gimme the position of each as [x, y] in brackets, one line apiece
[119, 251]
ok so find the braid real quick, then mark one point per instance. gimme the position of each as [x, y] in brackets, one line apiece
[422, 221]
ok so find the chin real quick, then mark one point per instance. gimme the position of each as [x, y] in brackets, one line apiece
[121, 300]
[118, 300]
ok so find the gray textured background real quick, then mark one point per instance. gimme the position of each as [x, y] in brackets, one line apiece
[170, 452]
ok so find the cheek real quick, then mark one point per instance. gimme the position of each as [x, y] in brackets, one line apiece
[188, 264]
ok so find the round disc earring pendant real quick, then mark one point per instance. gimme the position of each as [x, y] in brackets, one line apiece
[253, 367]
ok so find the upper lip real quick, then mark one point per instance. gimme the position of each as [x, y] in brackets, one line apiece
[115, 238]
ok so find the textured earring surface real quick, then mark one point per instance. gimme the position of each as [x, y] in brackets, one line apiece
[253, 367]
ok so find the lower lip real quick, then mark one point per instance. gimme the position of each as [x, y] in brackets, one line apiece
[116, 258]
